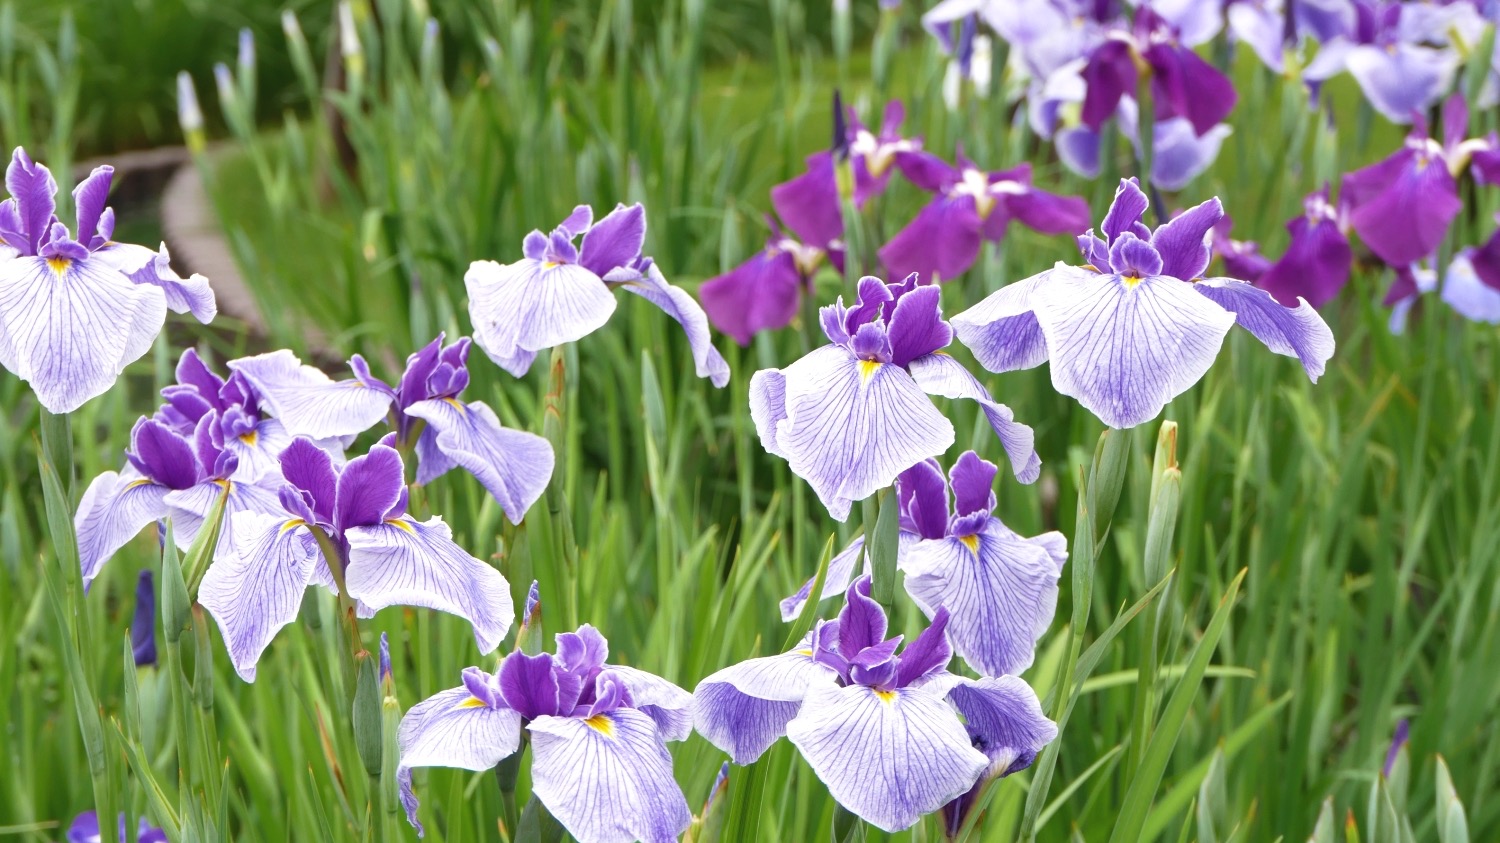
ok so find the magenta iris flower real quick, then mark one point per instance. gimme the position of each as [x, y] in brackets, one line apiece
[852, 415]
[384, 557]
[598, 738]
[425, 410]
[75, 312]
[559, 292]
[1317, 261]
[970, 206]
[893, 736]
[764, 292]
[1182, 83]
[1137, 324]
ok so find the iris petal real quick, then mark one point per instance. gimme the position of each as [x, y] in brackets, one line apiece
[307, 401]
[448, 730]
[114, 508]
[1001, 330]
[520, 309]
[1293, 331]
[940, 374]
[513, 465]
[1005, 719]
[676, 302]
[745, 707]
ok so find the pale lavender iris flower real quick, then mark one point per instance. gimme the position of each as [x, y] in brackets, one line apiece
[75, 312]
[852, 415]
[1262, 25]
[383, 556]
[971, 206]
[559, 292]
[894, 737]
[1471, 285]
[424, 409]
[598, 738]
[1137, 324]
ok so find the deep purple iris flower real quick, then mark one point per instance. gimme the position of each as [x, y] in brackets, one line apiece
[894, 737]
[1402, 206]
[999, 587]
[1137, 324]
[809, 205]
[852, 415]
[1182, 83]
[85, 829]
[345, 527]
[970, 206]
[598, 738]
[1318, 258]
[559, 292]
[75, 312]
[764, 292]
[424, 409]
[1242, 258]
[143, 621]
[172, 471]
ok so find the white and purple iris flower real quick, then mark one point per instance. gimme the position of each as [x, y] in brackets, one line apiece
[380, 555]
[1000, 588]
[598, 737]
[1137, 324]
[1318, 258]
[1262, 25]
[75, 312]
[1471, 285]
[1401, 207]
[894, 737]
[852, 415]
[424, 410]
[85, 829]
[559, 292]
[971, 206]
[764, 292]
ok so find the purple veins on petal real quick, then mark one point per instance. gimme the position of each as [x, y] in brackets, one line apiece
[676, 303]
[309, 403]
[513, 465]
[744, 708]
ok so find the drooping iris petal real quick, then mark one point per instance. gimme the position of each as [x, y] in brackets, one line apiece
[412, 563]
[1001, 330]
[1108, 76]
[183, 295]
[255, 591]
[888, 756]
[1180, 155]
[809, 204]
[190, 508]
[745, 707]
[1184, 85]
[940, 374]
[453, 729]
[512, 465]
[1295, 332]
[114, 508]
[1046, 212]
[1401, 80]
[1004, 719]
[848, 427]
[1466, 292]
[940, 243]
[676, 302]
[758, 295]
[1402, 207]
[1125, 347]
[669, 706]
[69, 327]
[1000, 591]
[309, 403]
[607, 779]
[1315, 265]
[520, 309]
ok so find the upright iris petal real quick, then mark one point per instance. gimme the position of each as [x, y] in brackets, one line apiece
[852, 415]
[970, 206]
[559, 293]
[599, 759]
[1402, 206]
[881, 729]
[1137, 325]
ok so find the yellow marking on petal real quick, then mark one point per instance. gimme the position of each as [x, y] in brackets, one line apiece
[971, 542]
[601, 724]
[867, 370]
[805, 651]
[473, 702]
[59, 265]
[400, 524]
[250, 438]
[457, 405]
[292, 524]
[886, 697]
[144, 481]
[1131, 281]
[551, 264]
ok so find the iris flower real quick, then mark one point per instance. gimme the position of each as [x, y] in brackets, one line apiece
[1242, 258]
[424, 409]
[143, 621]
[1471, 285]
[345, 528]
[764, 292]
[1263, 27]
[852, 415]
[85, 829]
[1137, 324]
[893, 737]
[559, 292]
[75, 312]
[1182, 83]
[598, 738]
[970, 206]
[1316, 263]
